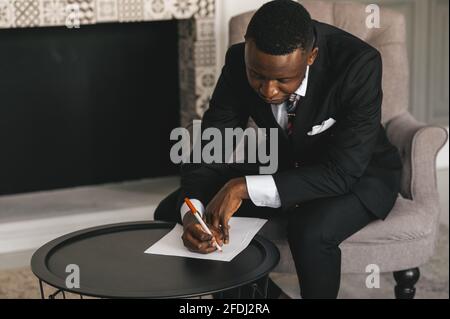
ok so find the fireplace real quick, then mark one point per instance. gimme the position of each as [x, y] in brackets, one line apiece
[96, 104]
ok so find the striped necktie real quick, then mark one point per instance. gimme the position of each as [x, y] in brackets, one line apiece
[291, 107]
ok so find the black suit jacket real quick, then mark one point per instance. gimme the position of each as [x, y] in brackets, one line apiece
[354, 155]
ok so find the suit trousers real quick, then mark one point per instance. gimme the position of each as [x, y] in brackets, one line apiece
[314, 231]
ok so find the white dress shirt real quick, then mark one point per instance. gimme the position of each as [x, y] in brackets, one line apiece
[261, 188]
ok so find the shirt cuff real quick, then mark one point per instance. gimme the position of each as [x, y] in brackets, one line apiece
[197, 204]
[263, 191]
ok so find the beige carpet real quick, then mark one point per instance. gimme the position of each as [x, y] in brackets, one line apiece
[21, 283]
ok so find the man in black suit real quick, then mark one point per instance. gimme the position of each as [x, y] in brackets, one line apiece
[320, 87]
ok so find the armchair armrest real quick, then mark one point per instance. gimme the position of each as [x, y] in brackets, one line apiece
[418, 144]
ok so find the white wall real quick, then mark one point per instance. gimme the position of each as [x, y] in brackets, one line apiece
[442, 158]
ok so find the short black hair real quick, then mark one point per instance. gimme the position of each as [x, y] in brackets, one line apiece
[280, 27]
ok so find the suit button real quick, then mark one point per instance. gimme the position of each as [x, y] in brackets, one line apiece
[297, 205]
[297, 164]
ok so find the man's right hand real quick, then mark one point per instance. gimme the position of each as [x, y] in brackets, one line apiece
[196, 239]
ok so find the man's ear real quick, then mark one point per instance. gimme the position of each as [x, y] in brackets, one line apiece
[312, 56]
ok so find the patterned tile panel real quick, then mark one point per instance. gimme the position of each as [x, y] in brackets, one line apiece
[157, 10]
[107, 11]
[131, 10]
[53, 12]
[85, 10]
[6, 14]
[26, 13]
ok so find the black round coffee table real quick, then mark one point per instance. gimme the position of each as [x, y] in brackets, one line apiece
[112, 264]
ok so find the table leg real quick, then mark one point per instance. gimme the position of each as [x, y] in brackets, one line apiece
[260, 288]
[53, 295]
[41, 288]
[254, 290]
[266, 288]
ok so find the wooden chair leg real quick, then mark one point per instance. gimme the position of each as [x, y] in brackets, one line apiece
[406, 280]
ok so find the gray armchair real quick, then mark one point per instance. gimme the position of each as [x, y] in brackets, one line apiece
[406, 239]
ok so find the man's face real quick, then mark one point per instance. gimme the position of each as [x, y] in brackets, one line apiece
[275, 77]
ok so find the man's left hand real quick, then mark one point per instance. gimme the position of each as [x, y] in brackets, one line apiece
[225, 203]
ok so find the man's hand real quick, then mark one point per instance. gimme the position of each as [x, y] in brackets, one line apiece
[225, 203]
[197, 240]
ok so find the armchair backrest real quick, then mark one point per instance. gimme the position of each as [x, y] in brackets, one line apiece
[389, 39]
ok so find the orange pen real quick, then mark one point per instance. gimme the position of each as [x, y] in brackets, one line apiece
[200, 220]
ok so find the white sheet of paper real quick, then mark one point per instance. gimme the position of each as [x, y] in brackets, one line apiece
[242, 231]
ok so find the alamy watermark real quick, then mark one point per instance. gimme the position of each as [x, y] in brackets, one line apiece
[249, 146]
[73, 279]
[373, 17]
[73, 14]
[373, 279]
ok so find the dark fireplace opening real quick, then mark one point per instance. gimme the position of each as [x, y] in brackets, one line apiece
[87, 106]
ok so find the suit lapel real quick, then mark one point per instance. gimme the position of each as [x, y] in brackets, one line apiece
[305, 112]
[308, 105]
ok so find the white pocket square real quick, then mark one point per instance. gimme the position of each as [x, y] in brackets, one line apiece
[325, 125]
